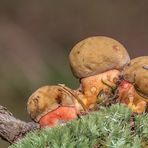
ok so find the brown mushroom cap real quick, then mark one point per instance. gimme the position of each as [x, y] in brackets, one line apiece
[96, 55]
[137, 73]
[46, 99]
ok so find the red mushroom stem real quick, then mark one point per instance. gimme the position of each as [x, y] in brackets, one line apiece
[128, 95]
[91, 86]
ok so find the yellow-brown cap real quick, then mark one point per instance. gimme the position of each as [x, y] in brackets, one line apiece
[96, 55]
[47, 99]
[137, 73]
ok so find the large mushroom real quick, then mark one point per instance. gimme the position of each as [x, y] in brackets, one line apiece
[97, 62]
[134, 89]
[52, 105]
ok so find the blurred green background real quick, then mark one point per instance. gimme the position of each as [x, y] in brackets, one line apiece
[37, 36]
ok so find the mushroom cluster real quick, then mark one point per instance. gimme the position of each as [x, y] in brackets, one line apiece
[106, 73]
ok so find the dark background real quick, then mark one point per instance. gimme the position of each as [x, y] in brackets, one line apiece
[36, 38]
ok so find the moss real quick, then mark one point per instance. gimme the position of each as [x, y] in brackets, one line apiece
[107, 128]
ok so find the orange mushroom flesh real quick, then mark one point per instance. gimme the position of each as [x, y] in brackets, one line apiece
[128, 95]
[91, 86]
[60, 115]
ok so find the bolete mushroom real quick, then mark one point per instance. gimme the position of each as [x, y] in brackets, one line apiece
[97, 62]
[51, 105]
[134, 89]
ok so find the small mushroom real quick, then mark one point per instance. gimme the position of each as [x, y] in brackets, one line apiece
[51, 105]
[97, 62]
[137, 73]
[134, 89]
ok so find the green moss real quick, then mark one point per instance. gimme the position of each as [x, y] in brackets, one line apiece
[107, 128]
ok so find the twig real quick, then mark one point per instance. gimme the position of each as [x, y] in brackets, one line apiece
[13, 129]
[71, 92]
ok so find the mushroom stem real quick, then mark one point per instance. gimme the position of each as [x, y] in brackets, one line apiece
[128, 95]
[91, 86]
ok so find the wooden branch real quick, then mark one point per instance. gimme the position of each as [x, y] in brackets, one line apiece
[13, 129]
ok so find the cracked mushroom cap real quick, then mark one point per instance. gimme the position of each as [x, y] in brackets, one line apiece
[96, 55]
[136, 72]
[47, 99]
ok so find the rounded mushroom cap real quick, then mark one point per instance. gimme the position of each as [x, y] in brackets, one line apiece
[96, 55]
[47, 99]
[136, 72]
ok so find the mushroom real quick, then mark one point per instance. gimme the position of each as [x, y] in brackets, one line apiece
[137, 72]
[133, 91]
[97, 62]
[51, 105]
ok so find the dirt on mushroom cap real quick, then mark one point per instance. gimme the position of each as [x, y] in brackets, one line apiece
[96, 55]
[137, 73]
